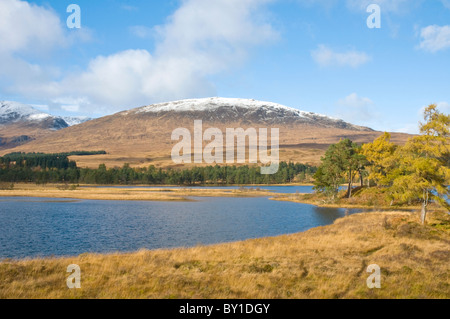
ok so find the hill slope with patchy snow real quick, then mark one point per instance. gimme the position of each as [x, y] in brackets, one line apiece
[232, 109]
[14, 112]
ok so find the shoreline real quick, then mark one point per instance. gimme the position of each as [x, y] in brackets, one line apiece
[347, 206]
[171, 193]
[192, 186]
[127, 194]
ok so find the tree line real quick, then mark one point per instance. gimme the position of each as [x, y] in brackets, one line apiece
[33, 160]
[43, 160]
[55, 168]
[418, 171]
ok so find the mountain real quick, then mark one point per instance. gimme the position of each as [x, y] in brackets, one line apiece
[21, 123]
[252, 111]
[142, 136]
[13, 112]
[75, 120]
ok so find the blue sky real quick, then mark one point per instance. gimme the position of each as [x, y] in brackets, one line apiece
[314, 55]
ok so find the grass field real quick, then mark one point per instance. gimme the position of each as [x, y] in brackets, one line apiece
[323, 262]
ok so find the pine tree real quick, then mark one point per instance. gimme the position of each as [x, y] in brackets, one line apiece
[341, 162]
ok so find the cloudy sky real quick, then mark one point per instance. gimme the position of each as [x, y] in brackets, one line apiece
[314, 55]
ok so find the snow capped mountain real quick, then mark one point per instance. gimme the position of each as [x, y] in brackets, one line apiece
[14, 112]
[229, 109]
[213, 103]
[214, 109]
[75, 120]
[144, 136]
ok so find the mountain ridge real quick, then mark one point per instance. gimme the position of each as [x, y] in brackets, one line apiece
[12, 112]
[21, 123]
[143, 136]
[218, 108]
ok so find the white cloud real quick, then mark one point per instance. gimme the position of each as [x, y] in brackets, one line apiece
[28, 28]
[30, 32]
[202, 38]
[214, 30]
[435, 38]
[141, 31]
[71, 108]
[324, 56]
[356, 109]
[41, 107]
[71, 104]
[444, 107]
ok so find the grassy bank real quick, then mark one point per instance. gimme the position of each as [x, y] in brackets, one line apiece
[105, 193]
[373, 198]
[324, 262]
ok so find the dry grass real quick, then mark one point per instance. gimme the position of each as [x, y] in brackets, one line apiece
[143, 140]
[105, 193]
[324, 262]
[374, 198]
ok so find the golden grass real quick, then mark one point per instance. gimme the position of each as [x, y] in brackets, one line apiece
[143, 140]
[324, 262]
[374, 198]
[105, 193]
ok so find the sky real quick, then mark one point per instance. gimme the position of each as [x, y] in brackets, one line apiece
[313, 55]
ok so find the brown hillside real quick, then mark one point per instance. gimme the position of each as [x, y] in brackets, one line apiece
[143, 138]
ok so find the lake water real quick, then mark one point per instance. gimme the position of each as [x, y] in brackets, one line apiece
[32, 227]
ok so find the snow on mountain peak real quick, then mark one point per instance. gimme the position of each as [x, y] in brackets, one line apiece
[75, 120]
[222, 109]
[14, 110]
[213, 103]
[11, 112]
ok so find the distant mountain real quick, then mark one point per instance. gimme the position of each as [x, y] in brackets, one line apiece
[142, 136]
[75, 120]
[251, 111]
[13, 112]
[21, 123]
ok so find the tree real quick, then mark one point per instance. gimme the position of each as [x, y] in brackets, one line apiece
[381, 159]
[423, 171]
[329, 174]
[341, 162]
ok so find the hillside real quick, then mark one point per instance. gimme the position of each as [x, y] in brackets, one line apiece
[142, 136]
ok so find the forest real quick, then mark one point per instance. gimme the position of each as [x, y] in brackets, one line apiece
[57, 168]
